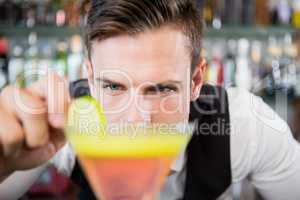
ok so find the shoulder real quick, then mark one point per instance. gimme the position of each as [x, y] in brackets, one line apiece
[248, 109]
[253, 125]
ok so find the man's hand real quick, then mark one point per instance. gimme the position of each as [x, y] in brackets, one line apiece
[31, 124]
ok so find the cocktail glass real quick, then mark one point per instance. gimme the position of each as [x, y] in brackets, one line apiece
[123, 161]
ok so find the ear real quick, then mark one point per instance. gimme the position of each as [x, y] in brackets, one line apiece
[90, 75]
[198, 79]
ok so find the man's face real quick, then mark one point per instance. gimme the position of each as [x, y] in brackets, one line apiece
[144, 78]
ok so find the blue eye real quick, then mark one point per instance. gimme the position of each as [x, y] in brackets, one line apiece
[161, 89]
[167, 89]
[113, 87]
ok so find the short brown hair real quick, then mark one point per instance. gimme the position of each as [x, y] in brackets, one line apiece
[108, 18]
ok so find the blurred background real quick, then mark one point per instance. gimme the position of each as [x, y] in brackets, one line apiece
[252, 44]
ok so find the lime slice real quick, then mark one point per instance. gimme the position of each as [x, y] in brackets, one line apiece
[85, 118]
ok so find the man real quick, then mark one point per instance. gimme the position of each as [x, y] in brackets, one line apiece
[149, 51]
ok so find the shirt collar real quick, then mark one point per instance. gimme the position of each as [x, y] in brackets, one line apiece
[179, 162]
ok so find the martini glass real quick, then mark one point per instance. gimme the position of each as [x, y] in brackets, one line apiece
[123, 161]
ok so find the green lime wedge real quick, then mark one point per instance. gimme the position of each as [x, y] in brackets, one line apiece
[85, 118]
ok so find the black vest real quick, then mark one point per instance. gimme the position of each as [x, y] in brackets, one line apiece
[208, 165]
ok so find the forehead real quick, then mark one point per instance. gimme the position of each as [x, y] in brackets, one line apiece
[165, 49]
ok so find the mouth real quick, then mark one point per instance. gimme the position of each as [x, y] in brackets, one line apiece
[126, 197]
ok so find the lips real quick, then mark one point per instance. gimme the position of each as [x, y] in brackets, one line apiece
[125, 197]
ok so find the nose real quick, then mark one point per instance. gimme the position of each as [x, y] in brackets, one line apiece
[139, 111]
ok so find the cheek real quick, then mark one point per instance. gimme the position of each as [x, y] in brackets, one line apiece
[114, 106]
[171, 104]
[171, 109]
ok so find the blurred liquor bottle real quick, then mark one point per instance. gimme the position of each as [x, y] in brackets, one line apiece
[50, 14]
[274, 75]
[85, 7]
[215, 70]
[71, 7]
[41, 12]
[16, 66]
[3, 62]
[230, 64]
[213, 13]
[56, 13]
[45, 61]
[29, 14]
[232, 12]
[243, 74]
[257, 68]
[9, 12]
[288, 63]
[208, 12]
[248, 12]
[281, 12]
[31, 60]
[75, 58]
[237, 12]
[61, 59]
[296, 13]
[262, 13]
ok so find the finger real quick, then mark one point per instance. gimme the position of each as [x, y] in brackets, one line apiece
[57, 137]
[54, 89]
[11, 134]
[31, 111]
[34, 157]
[39, 156]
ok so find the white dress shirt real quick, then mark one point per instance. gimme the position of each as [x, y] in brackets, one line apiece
[262, 150]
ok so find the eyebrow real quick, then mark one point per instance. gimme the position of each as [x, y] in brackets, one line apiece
[171, 82]
[167, 82]
[106, 80]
